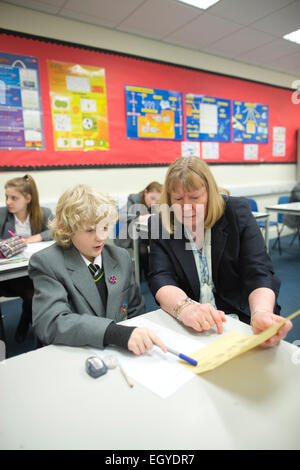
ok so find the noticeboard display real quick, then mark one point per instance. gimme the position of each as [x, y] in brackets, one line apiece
[74, 120]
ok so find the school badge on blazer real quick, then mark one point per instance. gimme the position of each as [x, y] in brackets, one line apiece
[124, 309]
[113, 279]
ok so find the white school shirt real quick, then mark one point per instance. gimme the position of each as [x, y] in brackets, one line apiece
[22, 228]
[97, 260]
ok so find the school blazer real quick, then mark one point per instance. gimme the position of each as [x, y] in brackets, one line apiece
[7, 222]
[67, 308]
[240, 262]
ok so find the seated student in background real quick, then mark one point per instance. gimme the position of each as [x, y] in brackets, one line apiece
[82, 287]
[23, 216]
[138, 208]
[209, 258]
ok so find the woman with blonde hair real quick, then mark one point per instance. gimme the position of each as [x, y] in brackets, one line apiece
[208, 257]
[23, 216]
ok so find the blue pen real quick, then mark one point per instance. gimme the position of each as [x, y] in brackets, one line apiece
[183, 357]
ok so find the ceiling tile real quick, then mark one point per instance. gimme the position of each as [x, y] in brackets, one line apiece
[271, 51]
[46, 6]
[202, 31]
[282, 22]
[157, 19]
[245, 12]
[289, 60]
[244, 30]
[103, 12]
[240, 41]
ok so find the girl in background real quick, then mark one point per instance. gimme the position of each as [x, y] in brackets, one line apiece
[138, 209]
[23, 216]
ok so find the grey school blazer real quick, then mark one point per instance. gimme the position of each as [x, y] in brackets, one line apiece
[67, 308]
[7, 222]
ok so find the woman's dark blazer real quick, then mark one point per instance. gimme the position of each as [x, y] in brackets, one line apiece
[240, 262]
[7, 223]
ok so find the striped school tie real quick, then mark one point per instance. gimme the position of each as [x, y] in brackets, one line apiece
[98, 276]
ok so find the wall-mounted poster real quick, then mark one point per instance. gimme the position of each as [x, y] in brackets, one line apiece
[207, 118]
[153, 114]
[190, 149]
[279, 141]
[250, 122]
[78, 105]
[21, 125]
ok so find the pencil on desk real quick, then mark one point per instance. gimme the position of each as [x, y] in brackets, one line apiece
[126, 376]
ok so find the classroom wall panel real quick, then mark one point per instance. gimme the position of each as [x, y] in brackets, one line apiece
[121, 70]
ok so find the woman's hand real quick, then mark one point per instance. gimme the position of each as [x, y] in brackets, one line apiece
[201, 317]
[142, 340]
[260, 321]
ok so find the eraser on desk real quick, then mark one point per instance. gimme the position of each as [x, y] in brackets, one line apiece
[95, 367]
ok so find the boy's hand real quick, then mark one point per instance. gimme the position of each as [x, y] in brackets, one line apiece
[142, 340]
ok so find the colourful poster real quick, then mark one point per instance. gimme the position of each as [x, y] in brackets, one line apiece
[207, 118]
[153, 114]
[21, 124]
[78, 105]
[250, 122]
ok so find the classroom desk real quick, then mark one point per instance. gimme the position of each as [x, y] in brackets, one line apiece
[13, 270]
[289, 208]
[47, 401]
[264, 216]
[142, 227]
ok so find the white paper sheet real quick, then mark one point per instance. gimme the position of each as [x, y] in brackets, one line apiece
[35, 247]
[159, 372]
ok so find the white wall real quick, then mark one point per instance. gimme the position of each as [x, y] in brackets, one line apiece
[265, 182]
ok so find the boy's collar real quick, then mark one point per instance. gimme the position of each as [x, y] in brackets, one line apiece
[97, 260]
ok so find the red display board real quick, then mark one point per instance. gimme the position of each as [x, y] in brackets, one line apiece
[121, 70]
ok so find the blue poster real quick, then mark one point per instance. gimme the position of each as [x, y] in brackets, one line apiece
[153, 114]
[207, 118]
[250, 122]
[21, 124]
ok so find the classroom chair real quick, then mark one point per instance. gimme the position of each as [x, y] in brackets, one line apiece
[261, 223]
[281, 200]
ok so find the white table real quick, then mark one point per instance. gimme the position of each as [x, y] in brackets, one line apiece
[289, 208]
[292, 208]
[264, 216]
[13, 270]
[47, 401]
